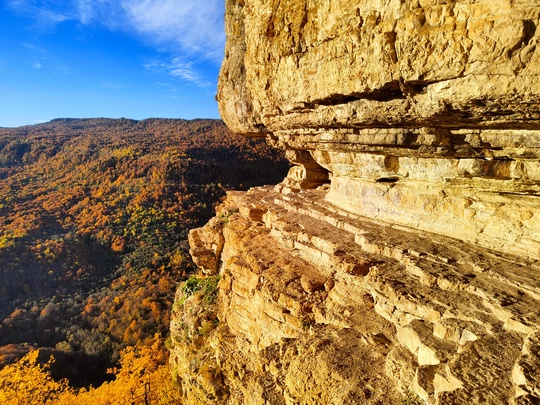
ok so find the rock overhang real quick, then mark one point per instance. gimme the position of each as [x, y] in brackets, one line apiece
[424, 114]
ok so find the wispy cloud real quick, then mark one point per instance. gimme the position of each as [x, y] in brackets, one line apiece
[195, 26]
[43, 59]
[177, 67]
[47, 13]
[190, 30]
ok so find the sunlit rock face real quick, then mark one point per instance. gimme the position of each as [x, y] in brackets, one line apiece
[424, 113]
[400, 258]
[320, 306]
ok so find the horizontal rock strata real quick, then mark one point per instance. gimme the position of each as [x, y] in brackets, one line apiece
[422, 113]
[321, 306]
[398, 262]
[414, 63]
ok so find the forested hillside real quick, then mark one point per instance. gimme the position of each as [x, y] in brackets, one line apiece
[94, 216]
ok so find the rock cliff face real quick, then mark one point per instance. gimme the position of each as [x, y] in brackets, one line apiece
[400, 258]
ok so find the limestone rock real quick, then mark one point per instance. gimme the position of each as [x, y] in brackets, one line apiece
[399, 261]
[424, 114]
[321, 306]
[409, 63]
[206, 245]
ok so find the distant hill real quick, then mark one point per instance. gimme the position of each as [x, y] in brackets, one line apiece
[94, 214]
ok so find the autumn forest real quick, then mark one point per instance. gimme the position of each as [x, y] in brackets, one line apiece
[94, 217]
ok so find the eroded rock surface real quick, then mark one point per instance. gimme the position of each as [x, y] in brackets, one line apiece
[437, 102]
[298, 64]
[401, 255]
[320, 306]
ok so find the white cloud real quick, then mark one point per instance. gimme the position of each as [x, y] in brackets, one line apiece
[109, 13]
[44, 59]
[191, 27]
[178, 68]
[190, 30]
[195, 26]
[47, 13]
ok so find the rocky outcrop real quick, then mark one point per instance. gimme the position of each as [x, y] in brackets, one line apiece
[320, 306]
[437, 102]
[399, 261]
[451, 63]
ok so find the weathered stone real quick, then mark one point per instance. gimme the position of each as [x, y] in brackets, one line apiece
[206, 246]
[401, 255]
[423, 114]
[439, 317]
[304, 64]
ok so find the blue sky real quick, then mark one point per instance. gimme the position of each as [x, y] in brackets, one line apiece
[109, 58]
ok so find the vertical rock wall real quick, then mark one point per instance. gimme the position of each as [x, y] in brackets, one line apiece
[399, 259]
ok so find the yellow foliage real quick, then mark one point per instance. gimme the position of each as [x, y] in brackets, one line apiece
[5, 242]
[123, 152]
[142, 378]
[30, 383]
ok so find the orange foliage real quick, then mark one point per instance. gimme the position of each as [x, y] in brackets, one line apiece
[94, 216]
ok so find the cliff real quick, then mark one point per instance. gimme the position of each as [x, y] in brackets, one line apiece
[399, 260]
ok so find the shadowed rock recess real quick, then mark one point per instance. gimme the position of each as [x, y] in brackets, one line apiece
[399, 261]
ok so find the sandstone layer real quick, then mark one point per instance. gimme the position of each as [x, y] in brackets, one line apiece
[422, 113]
[399, 261]
[321, 306]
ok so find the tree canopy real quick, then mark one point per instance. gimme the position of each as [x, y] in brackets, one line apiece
[94, 216]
